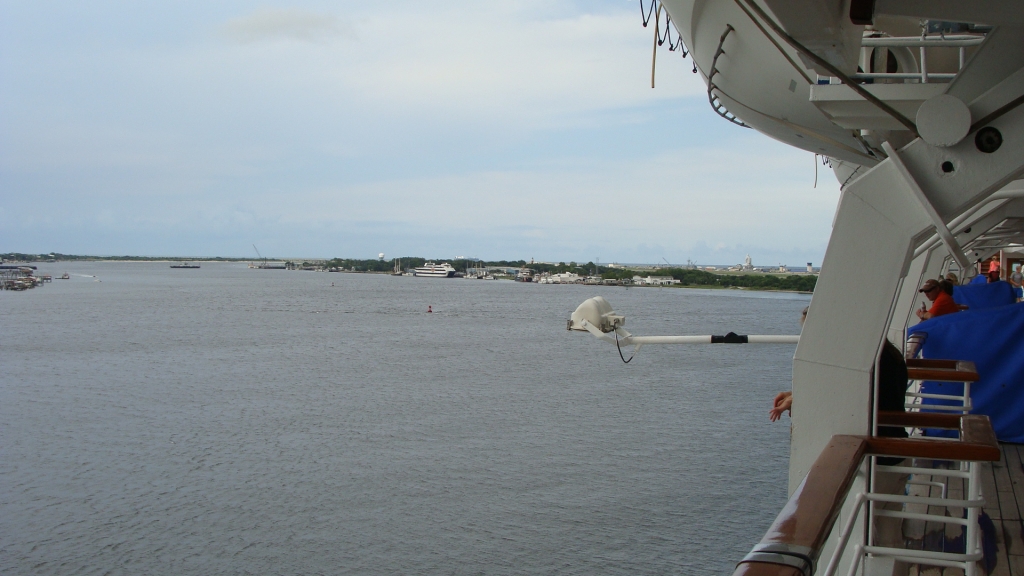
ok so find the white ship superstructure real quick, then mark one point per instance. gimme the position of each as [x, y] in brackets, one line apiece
[562, 278]
[432, 270]
[917, 106]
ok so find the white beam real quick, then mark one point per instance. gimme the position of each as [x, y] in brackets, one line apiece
[915, 188]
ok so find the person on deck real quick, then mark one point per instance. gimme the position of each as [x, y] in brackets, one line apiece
[783, 401]
[892, 394]
[1017, 280]
[892, 389]
[942, 303]
[993, 269]
[947, 287]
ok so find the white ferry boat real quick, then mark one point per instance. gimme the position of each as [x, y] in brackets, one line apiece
[432, 270]
[562, 278]
[917, 108]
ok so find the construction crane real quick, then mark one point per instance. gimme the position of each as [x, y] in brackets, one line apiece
[260, 256]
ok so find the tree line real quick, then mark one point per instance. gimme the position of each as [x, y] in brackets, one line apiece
[691, 277]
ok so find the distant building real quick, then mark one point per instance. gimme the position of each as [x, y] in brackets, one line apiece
[748, 264]
[809, 267]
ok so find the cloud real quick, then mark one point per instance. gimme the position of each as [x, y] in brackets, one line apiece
[524, 63]
[340, 130]
[290, 24]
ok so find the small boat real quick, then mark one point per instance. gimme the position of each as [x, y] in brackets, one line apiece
[398, 268]
[65, 276]
[184, 265]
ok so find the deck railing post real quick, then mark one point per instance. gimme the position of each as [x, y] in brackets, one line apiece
[972, 541]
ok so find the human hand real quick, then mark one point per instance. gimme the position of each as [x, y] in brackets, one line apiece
[783, 403]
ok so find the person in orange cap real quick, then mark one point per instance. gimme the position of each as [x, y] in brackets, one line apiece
[942, 303]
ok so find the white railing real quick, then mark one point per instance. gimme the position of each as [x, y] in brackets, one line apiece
[968, 471]
[961, 42]
[963, 408]
[810, 520]
[967, 560]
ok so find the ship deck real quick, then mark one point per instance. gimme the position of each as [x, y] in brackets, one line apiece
[1003, 490]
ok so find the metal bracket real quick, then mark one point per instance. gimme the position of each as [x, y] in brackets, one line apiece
[716, 102]
[785, 554]
[781, 548]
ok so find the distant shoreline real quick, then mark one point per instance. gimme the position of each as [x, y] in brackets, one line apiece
[17, 257]
[764, 279]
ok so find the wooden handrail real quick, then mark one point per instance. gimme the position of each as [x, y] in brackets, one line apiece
[941, 370]
[934, 363]
[806, 520]
[960, 374]
[934, 449]
[919, 420]
[977, 443]
[793, 543]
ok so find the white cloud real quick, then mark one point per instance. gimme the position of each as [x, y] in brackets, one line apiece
[288, 24]
[480, 61]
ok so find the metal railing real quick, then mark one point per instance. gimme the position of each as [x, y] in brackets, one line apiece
[793, 544]
[955, 371]
[961, 42]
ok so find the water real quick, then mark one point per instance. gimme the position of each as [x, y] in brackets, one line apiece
[235, 421]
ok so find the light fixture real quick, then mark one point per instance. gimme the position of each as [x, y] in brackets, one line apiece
[596, 312]
[595, 315]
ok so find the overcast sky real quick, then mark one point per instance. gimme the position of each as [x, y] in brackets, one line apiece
[500, 130]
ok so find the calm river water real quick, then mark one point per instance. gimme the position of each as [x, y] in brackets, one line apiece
[235, 421]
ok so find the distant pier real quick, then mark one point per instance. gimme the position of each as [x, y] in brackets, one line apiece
[21, 278]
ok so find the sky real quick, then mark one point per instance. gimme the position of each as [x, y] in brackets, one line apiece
[499, 130]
